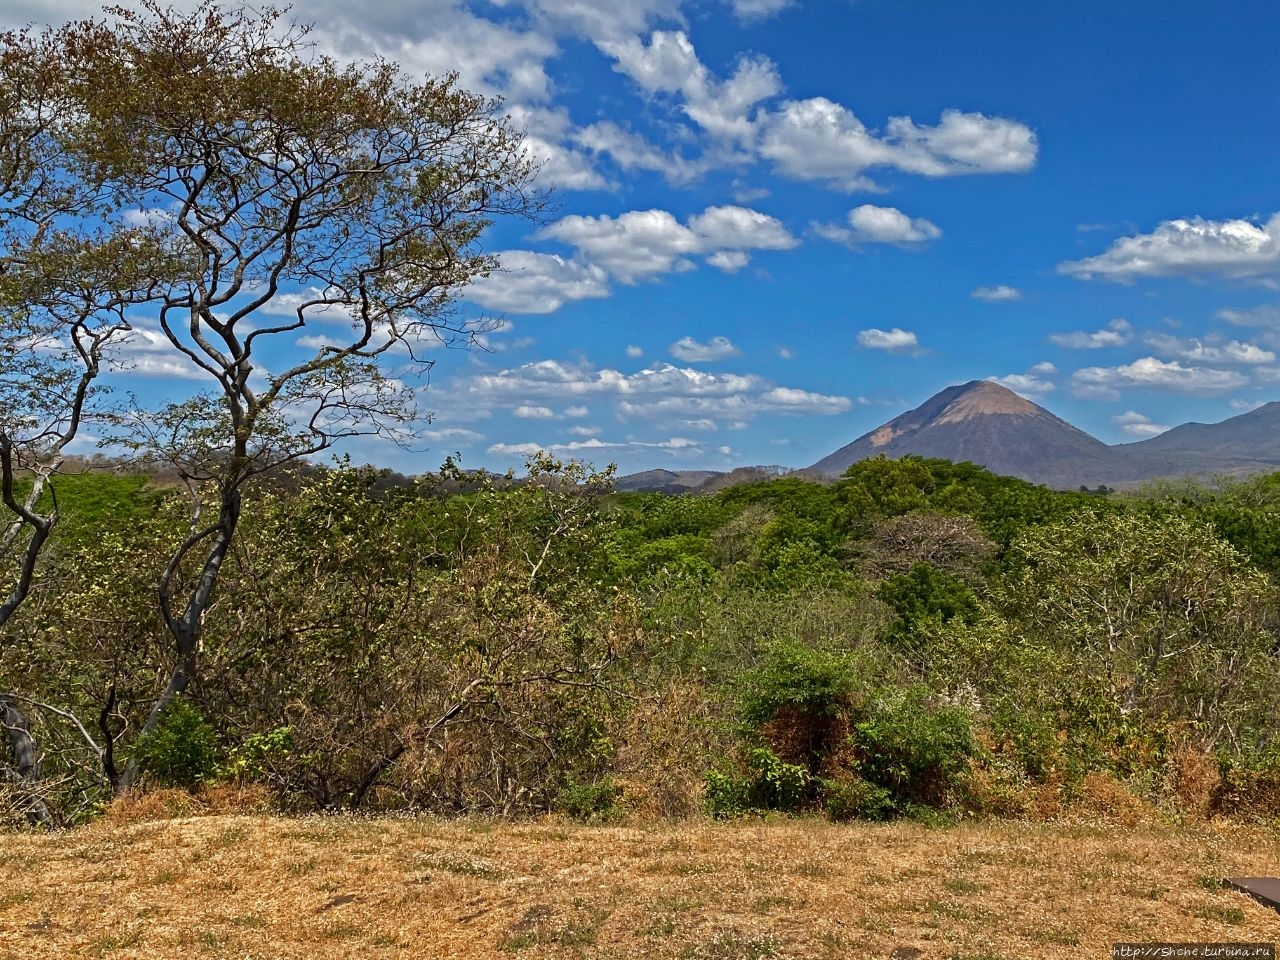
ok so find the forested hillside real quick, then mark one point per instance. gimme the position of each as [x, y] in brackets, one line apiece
[919, 639]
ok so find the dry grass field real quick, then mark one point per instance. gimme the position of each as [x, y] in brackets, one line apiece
[272, 887]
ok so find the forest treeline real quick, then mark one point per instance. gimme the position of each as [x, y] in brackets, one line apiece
[920, 639]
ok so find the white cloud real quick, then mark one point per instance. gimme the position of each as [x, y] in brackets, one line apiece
[632, 246]
[435, 37]
[1233, 352]
[630, 151]
[785, 353]
[730, 261]
[1117, 333]
[669, 64]
[603, 22]
[445, 434]
[818, 139]
[872, 224]
[537, 283]
[1138, 425]
[148, 353]
[706, 423]
[1244, 406]
[634, 352]
[892, 341]
[576, 412]
[1266, 315]
[585, 431]
[658, 391]
[1034, 382]
[691, 351]
[551, 141]
[527, 412]
[581, 449]
[740, 228]
[1152, 374]
[996, 294]
[750, 10]
[1193, 247]
[646, 243]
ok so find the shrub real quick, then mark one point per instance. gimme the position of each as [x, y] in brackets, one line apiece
[768, 784]
[182, 750]
[917, 750]
[589, 802]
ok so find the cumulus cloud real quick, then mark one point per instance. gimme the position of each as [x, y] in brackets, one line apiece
[148, 353]
[1201, 351]
[1152, 374]
[891, 341]
[691, 351]
[1034, 382]
[659, 390]
[1138, 425]
[528, 412]
[631, 152]
[668, 64]
[996, 294]
[552, 141]
[872, 224]
[537, 283]
[1117, 333]
[1192, 247]
[645, 243]
[818, 139]
[634, 352]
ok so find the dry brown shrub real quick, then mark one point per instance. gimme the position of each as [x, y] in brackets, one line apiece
[664, 747]
[141, 805]
[1245, 794]
[1192, 779]
[236, 799]
[995, 792]
[171, 803]
[1101, 795]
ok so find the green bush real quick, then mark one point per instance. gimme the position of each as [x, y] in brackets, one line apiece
[589, 802]
[796, 678]
[769, 784]
[182, 750]
[915, 749]
[925, 593]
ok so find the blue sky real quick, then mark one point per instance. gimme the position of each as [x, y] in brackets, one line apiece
[779, 224]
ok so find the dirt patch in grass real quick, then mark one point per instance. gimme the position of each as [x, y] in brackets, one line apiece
[268, 888]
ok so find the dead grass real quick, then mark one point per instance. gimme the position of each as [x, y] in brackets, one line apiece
[268, 887]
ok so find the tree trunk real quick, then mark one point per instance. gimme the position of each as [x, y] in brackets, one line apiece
[186, 629]
[26, 761]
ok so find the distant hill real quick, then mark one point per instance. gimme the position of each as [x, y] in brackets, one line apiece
[992, 426]
[1247, 443]
[665, 481]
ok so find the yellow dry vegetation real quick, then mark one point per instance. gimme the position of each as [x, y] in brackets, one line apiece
[260, 886]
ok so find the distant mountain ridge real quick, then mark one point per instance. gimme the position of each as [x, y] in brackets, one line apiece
[990, 425]
[994, 427]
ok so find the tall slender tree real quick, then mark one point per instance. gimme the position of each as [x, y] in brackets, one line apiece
[322, 218]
